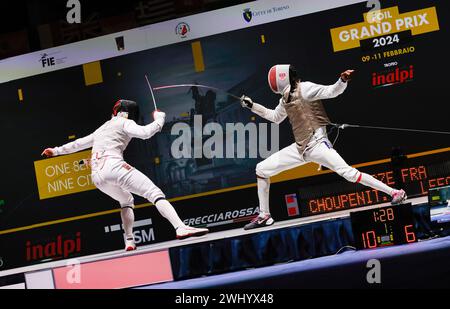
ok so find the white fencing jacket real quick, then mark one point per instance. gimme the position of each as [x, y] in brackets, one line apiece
[112, 137]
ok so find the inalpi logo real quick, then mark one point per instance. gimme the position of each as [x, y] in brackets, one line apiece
[60, 247]
[393, 77]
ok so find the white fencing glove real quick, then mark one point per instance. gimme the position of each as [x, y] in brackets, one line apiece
[160, 117]
[246, 102]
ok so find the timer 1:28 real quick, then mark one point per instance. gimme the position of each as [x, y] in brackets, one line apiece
[383, 215]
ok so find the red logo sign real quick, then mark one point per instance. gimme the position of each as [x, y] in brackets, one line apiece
[397, 76]
[59, 248]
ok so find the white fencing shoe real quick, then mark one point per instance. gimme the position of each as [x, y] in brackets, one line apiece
[130, 245]
[398, 197]
[184, 232]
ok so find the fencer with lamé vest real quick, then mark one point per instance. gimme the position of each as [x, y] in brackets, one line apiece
[301, 103]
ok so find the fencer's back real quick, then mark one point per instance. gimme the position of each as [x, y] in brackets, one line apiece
[111, 137]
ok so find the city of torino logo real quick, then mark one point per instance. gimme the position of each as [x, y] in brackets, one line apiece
[382, 22]
[247, 15]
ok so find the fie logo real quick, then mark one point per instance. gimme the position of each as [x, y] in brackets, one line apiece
[47, 61]
[74, 14]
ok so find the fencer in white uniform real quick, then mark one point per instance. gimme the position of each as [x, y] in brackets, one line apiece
[113, 176]
[301, 104]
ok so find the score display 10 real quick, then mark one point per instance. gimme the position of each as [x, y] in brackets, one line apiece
[387, 226]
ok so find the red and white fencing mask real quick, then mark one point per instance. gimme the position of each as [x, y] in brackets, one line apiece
[280, 76]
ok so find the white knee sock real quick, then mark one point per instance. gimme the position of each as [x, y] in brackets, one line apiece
[263, 195]
[374, 183]
[167, 211]
[127, 215]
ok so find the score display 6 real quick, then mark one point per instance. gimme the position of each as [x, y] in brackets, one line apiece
[381, 227]
[371, 240]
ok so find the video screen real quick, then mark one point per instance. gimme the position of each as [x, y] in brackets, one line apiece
[438, 199]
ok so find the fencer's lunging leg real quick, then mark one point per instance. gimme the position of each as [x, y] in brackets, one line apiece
[372, 182]
[328, 157]
[127, 215]
[263, 194]
[325, 155]
[137, 183]
[167, 211]
[183, 231]
[282, 160]
[264, 218]
[278, 162]
[126, 202]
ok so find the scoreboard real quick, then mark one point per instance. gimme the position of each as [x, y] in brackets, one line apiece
[382, 227]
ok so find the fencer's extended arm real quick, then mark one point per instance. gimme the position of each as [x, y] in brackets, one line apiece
[311, 91]
[276, 115]
[76, 145]
[143, 132]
